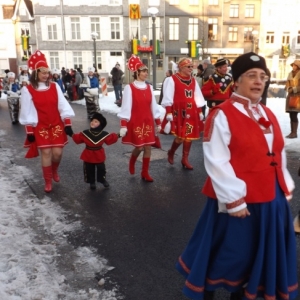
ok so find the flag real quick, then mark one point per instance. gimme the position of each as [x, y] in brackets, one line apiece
[134, 11]
[135, 44]
[157, 48]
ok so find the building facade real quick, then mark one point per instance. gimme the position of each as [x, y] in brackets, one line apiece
[63, 29]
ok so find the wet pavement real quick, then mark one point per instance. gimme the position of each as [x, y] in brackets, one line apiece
[140, 228]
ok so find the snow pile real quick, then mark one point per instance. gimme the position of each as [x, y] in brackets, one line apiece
[32, 232]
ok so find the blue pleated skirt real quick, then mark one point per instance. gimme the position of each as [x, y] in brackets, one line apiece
[257, 252]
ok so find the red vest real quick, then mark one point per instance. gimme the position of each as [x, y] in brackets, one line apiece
[250, 156]
[46, 104]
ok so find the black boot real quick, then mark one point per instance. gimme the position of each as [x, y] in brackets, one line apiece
[92, 186]
[237, 295]
[105, 183]
[208, 295]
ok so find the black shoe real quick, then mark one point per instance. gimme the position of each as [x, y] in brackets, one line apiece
[209, 295]
[105, 184]
[237, 295]
[92, 186]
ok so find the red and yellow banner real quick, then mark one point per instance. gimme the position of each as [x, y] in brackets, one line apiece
[134, 11]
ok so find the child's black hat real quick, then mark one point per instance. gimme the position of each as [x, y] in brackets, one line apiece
[101, 119]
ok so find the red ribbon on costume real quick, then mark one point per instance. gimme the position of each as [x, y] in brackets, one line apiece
[262, 121]
[33, 151]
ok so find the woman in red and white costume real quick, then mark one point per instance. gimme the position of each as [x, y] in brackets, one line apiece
[140, 117]
[183, 101]
[46, 115]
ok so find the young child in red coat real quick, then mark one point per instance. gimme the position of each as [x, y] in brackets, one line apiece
[93, 155]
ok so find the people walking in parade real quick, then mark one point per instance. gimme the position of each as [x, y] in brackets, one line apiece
[293, 98]
[169, 73]
[219, 85]
[244, 240]
[46, 115]
[183, 101]
[90, 86]
[56, 78]
[93, 155]
[140, 117]
[116, 78]
[24, 72]
[208, 70]
[12, 89]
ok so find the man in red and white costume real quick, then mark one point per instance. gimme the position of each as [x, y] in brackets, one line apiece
[219, 85]
[183, 101]
[140, 117]
[46, 115]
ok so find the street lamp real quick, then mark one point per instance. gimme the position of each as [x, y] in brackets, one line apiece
[254, 40]
[153, 11]
[94, 37]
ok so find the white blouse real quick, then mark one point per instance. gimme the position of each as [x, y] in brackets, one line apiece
[28, 113]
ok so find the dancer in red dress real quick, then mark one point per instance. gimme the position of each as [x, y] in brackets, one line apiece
[46, 115]
[140, 117]
[183, 101]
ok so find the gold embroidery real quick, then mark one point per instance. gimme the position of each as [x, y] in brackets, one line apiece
[56, 132]
[143, 131]
[189, 105]
[188, 128]
[51, 133]
[44, 133]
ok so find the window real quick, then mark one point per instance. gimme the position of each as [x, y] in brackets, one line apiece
[115, 28]
[95, 26]
[52, 28]
[234, 11]
[285, 38]
[174, 2]
[54, 60]
[153, 3]
[114, 2]
[270, 37]
[115, 53]
[174, 29]
[212, 28]
[75, 28]
[99, 61]
[193, 2]
[233, 34]
[193, 29]
[248, 34]
[25, 28]
[213, 2]
[77, 60]
[22, 9]
[298, 37]
[249, 13]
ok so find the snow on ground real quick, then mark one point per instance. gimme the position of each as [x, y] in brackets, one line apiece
[28, 260]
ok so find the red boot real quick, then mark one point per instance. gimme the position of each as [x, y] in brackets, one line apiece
[145, 175]
[132, 163]
[171, 152]
[55, 175]
[47, 173]
[185, 153]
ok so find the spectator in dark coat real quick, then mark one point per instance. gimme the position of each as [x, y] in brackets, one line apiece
[117, 74]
